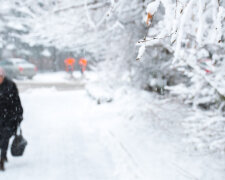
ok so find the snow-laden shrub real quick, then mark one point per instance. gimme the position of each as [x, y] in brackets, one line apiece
[193, 32]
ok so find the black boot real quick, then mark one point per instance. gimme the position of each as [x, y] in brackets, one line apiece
[4, 156]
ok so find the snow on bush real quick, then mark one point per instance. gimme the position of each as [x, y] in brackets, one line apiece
[193, 32]
[100, 93]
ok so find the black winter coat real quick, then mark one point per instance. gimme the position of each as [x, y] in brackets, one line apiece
[11, 111]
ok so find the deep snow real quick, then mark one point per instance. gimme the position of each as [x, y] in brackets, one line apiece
[71, 137]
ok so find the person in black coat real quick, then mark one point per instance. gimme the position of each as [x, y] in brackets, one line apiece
[11, 114]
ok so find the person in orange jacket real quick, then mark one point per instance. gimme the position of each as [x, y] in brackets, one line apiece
[83, 64]
[69, 63]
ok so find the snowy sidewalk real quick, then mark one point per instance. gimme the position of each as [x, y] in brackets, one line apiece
[71, 137]
[60, 144]
[59, 80]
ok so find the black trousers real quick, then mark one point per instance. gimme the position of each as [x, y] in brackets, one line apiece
[5, 135]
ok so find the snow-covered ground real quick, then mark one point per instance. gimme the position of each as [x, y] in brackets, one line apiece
[71, 137]
[60, 80]
[59, 77]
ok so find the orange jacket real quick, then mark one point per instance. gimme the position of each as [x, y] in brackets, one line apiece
[69, 61]
[83, 62]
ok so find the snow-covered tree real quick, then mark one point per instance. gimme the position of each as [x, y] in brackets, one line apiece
[193, 31]
[106, 29]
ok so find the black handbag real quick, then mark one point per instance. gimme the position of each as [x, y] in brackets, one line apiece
[18, 145]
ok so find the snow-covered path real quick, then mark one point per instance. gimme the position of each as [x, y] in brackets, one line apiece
[59, 147]
[71, 137]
